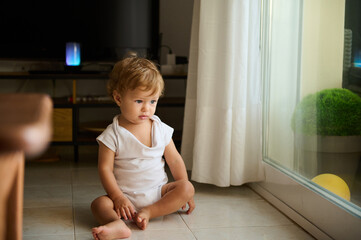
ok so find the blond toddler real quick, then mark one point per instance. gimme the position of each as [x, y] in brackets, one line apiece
[132, 155]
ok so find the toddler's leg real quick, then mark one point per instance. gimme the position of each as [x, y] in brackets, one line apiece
[174, 196]
[112, 227]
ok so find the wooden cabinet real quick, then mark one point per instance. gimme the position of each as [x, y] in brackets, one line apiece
[62, 125]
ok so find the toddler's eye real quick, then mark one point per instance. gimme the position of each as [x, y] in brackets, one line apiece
[153, 101]
[138, 101]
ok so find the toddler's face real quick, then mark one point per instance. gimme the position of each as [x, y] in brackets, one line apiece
[137, 106]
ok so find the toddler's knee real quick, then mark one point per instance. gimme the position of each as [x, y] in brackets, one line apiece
[188, 189]
[94, 204]
[191, 189]
[99, 201]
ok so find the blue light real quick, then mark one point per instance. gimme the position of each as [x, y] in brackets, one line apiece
[357, 59]
[72, 54]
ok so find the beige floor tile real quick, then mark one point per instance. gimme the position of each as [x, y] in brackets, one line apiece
[88, 157]
[244, 212]
[87, 193]
[47, 176]
[48, 196]
[165, 234]
[84, 236]
[85, 176]
[291, 232]
[50, 237]
[83, 219]
[48, 221]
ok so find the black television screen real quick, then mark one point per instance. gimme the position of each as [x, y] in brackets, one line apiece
[106, 29]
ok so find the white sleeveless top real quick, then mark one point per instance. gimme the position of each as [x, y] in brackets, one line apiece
[137, 167]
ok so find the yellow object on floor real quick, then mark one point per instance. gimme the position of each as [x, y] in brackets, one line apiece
[334, 184]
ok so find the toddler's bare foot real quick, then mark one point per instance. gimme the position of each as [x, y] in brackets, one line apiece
[142, 218]
[112, 230]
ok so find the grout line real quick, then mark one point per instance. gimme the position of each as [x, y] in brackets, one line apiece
[186, 224]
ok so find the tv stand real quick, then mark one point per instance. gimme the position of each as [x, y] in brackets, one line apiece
[62, 72]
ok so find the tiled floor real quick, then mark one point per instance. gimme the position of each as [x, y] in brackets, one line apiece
[58, 195]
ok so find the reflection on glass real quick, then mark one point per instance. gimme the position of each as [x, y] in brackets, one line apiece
[357, 59]
[313, 106]
[327, 127]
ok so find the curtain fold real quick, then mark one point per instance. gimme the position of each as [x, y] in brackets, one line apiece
[222, 132]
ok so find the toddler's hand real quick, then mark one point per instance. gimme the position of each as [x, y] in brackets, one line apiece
[123, 207]
[191, 205]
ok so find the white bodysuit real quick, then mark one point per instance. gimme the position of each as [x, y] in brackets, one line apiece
[138, 169]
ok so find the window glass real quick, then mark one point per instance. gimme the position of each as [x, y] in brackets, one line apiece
[312, 104]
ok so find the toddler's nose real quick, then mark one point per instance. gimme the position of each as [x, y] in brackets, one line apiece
[145, 107]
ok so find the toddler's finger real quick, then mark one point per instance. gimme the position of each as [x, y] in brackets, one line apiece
[132, 210]
[124, 215]
[118, 213]
[190, 210]
[191, 205]
[128, 213]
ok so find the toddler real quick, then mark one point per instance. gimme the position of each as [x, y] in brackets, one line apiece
[131, 151]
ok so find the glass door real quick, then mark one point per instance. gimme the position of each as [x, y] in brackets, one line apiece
[312, 105]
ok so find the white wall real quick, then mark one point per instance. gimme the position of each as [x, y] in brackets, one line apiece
[175, 23]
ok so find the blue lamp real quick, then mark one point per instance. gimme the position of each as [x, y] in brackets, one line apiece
[72, 54]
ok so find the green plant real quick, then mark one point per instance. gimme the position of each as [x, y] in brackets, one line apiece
[330, 112]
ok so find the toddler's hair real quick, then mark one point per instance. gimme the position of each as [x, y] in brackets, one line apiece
[133, 72]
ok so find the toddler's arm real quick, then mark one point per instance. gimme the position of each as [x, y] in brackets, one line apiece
[175, 162]
[122, 205]
[177, 167]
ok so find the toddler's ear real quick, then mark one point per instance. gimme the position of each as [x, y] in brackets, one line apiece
[116, 97]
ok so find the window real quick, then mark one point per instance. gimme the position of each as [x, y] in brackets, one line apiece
[304, 72]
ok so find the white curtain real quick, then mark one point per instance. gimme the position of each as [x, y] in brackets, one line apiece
[222, 132]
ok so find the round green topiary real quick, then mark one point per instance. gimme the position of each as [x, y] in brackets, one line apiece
[330, 112]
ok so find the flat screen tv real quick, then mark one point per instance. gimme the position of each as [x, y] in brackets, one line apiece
[105, 29]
